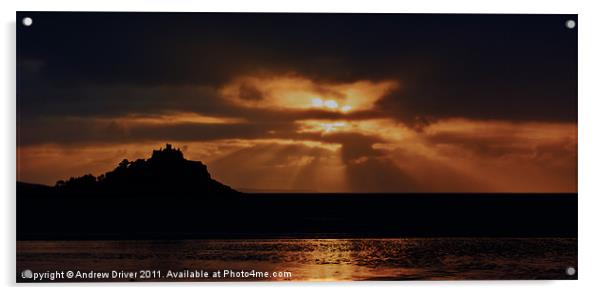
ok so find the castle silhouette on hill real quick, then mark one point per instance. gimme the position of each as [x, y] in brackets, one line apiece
[166, 171]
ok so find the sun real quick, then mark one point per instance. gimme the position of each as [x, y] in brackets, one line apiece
[317, 102]
[329, 104]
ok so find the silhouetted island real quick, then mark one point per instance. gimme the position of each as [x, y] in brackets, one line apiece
[165, 172]
[170, 197]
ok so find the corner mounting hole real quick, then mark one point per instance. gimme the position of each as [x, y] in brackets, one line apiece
[27, 21]
[571, 271]
[570, 24]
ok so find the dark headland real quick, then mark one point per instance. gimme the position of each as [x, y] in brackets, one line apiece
[170, 197]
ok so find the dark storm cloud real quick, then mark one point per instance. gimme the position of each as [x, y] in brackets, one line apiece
[117, 100]
[354, 146]
[78, 131]
[114, 100]
[513, 93]
[249, 92]
[515, 67]
[510, 142]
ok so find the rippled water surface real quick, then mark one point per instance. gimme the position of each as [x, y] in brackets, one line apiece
[314, 259]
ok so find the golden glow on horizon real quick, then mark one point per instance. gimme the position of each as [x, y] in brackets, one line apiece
[45, 164]
[318, 154]
[455, 155]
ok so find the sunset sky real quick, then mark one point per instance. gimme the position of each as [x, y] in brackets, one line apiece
[305, 102]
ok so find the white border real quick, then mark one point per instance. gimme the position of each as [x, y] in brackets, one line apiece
[590, 147]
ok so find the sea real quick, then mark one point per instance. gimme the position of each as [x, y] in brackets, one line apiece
[297, 260]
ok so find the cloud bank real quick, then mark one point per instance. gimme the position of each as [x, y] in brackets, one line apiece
[319, 102]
